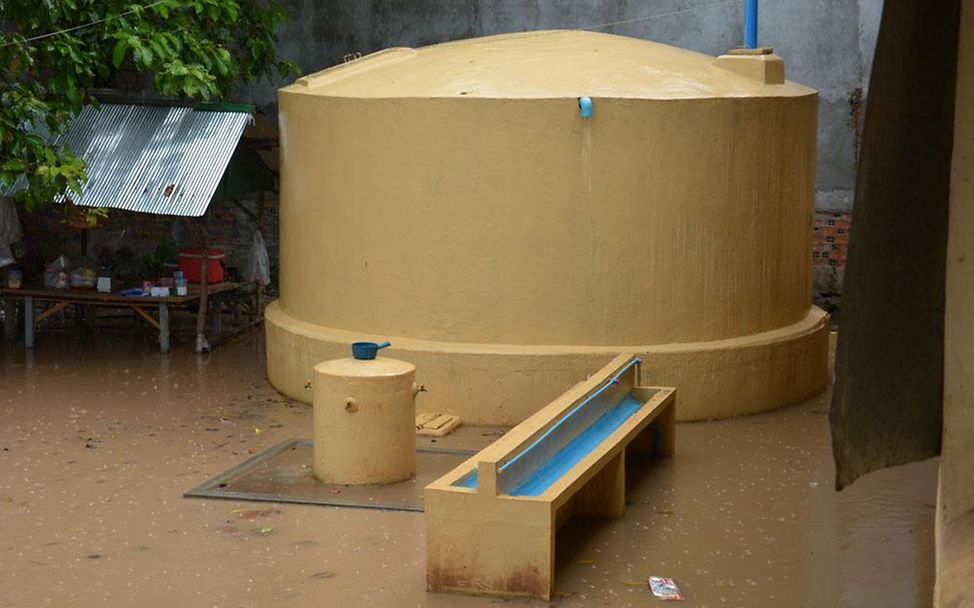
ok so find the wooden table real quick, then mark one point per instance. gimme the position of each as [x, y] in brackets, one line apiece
[53, 301]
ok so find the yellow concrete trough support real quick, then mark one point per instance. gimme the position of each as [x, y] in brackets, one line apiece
[491, 522]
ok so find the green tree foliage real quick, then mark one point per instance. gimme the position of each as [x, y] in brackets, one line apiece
[53, 52]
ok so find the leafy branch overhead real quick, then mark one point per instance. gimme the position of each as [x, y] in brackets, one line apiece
[53, 52]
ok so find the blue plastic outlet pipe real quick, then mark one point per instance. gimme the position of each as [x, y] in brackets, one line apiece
[585, 107]
[751, 24]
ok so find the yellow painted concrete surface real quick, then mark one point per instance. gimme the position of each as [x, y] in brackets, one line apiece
[453, 197]
[364, 419]
[541, 64]
[504, 384]
[767, 68]
[955, 521]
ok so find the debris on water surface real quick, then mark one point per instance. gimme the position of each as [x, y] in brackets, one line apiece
[264, 530]
[323, 574]
[335, 490]
[254, 513]
[586, 562]
[664, 588]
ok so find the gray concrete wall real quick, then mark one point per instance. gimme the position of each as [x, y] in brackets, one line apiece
[826, 44]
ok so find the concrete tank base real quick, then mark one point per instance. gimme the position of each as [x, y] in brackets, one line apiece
[504, 384]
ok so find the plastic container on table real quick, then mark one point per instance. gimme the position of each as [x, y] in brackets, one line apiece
[190, 261]
[15, 278]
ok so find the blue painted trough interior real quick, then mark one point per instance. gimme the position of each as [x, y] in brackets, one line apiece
[535, 468]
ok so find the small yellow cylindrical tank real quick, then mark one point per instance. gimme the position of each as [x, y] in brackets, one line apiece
[364, 421]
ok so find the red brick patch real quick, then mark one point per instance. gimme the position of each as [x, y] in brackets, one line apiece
[830, 238]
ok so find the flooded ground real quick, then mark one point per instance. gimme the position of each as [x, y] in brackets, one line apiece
[100, 438]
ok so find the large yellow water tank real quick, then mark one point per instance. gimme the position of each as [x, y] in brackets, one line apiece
[455, 200]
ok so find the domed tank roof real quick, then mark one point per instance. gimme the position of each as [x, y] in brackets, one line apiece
[542, 64]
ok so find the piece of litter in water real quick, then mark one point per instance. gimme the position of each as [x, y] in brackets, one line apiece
[256, 431]
[664, 588]
[586, 562]
[254, 513]
[323, 574]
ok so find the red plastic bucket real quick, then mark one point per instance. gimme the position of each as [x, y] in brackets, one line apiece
[190, 261]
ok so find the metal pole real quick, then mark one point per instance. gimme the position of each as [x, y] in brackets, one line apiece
[163, 327]
[29, 322]
[201, 344]
[9, 319]
[751, 24]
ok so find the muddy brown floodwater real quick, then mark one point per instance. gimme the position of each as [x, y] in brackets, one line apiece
[101, 436]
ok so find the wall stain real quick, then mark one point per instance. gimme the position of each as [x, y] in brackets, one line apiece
[857, 111]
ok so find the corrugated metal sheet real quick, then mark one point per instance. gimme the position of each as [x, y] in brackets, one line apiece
[166, 160]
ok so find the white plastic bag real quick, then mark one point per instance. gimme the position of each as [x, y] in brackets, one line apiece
[6, 256]
[258, 264]
[57, 273]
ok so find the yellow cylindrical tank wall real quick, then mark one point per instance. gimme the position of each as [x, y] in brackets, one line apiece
[648, 223]
[454, 199]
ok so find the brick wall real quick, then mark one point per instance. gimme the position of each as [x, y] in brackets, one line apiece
[830, 245]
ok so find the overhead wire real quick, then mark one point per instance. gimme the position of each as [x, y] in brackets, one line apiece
[691, 9]
[82, 26]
